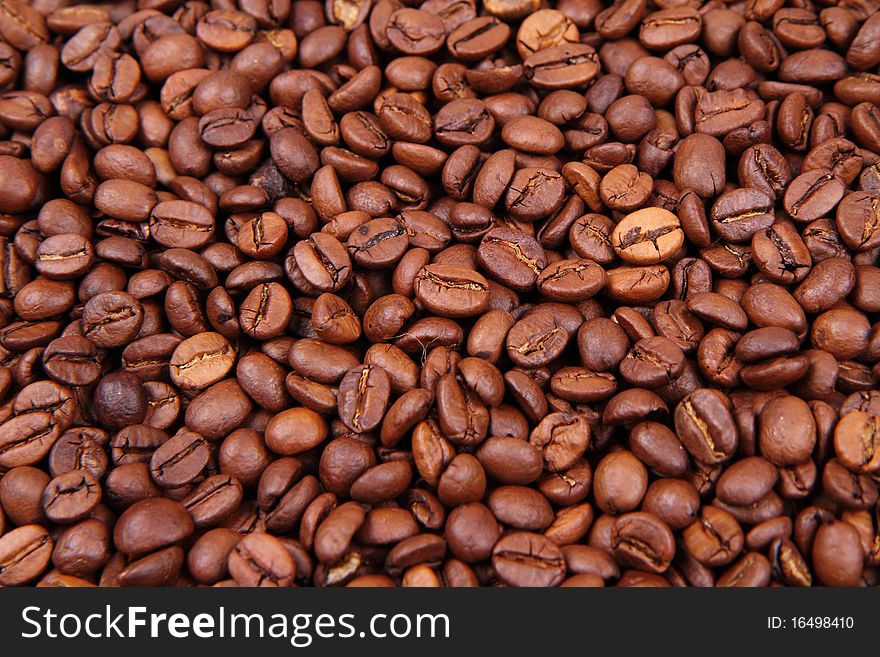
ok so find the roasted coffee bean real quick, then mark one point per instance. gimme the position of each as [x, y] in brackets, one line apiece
[71, 496]
[715, 539]
[619, 482]
[739, 214]
[543, 71]
[637, 284]
[64, 256]
[653, 362]
[180, 460]
[363, 397]
[647, 236]
[378, 243]
[266, 311]
[537, 339]
[525, 559]
[151, 524]
[658, 448]
[261, 560]
[642, 540]
[181, 224]
[112, 319]
[511, 257]
[25, 553]
[699, 165]
[841, 540]
[452, 290]
[201, 360]
[577, 279]
[562, 439]
[857, 221]
[812, 194]
[781, 254]
[706, 426]
[321, 261]
[21, 492]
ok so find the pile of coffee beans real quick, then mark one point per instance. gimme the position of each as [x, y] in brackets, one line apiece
[441, 293]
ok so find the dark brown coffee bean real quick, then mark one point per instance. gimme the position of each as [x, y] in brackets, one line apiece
[739, 214]
[562, 439]
[525, 559]
[321, 261]
[112, 319]
[652, 362]
[261, 560]
[840, 539]
[71, 496]
[641, 540]
[151, 524]
[536, 340]
[577, 279]
[363, 397]
[451, 290]
[812, 194]
[463, 122]
[706, 427]
[855, 441]
[700, 153]
[857, 221]
[24, 554]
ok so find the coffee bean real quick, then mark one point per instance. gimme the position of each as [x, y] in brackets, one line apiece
[647, 236]
[537, 340]
[715, 539]
[781, 254]
[637, 284]
[71, 496]
[24, 554]
[812, 194]
[643, 541]
[451, 290]
[151, 524]
[266, 311]
[521, 507]
[800, 431]
[562, 439]
[261, 560]
[73, 451]
[363, 397]
[619, 482]
[543, 71]
[64, 256]
[763, 167]
[709, 435]
[525, 559]
[739, 214]
[841, 540]
[112, 319]
[653, 362]
[201, 360]
[181, 224]
[378, 243]
[855, 441]
[180, 460]
[857, 221]
[533, 135]
[699, 165]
